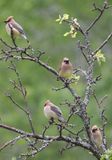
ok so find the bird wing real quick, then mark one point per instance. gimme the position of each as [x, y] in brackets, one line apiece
[56, 110]
[18, 27]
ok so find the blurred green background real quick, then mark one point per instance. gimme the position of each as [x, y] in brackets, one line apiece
[38, 20]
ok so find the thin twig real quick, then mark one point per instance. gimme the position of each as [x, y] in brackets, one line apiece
[103, 44]
[11, 142]
[24, 110]
[101, 10]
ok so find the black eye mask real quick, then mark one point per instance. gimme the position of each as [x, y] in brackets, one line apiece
[94, 130]
[67, 62]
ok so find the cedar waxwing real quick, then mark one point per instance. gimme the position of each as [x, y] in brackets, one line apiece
[15, 28]
[66, 69]
[96, 135]
[53, 112]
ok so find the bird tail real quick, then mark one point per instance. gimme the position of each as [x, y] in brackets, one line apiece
[24, 36]
[61, 119]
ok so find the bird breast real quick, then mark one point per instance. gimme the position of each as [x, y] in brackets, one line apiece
[66, 66]
[97, 137]
[15, 31]
[49, 113]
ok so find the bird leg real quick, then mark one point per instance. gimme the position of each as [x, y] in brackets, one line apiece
[60, 128]
[51, 121]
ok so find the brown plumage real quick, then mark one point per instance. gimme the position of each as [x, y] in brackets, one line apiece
[14, 29]
[96, 135]
[52, 111]
[66, 69]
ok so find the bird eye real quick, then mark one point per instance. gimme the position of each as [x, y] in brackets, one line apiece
[66, 61]
[94, 130]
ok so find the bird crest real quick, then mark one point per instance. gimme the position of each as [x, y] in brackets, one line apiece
[8, 19]
[47, 102]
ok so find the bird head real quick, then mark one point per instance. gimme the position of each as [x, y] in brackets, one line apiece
[47, 103]
[66, 60]
[8, 19]
[94, 129]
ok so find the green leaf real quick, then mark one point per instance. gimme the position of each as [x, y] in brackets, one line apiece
[100, 57]
[62, 18]
[107, 155]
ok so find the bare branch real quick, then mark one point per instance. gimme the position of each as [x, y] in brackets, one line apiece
[103, 44]
[101, 11]
[11, 142]
[55, 138]
[24, 110]
[6, 45]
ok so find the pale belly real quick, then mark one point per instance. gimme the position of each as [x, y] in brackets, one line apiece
[66, 74]
[49, 113]
[15, 31]
[98, 140]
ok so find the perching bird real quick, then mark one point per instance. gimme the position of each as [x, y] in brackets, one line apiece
[66, 69]
[14, 29]
[52, 112]
[96, 135]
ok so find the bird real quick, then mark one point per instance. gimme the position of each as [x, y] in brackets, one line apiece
[14, 29]
[66, 69]
[53, 112]
[96, 135]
